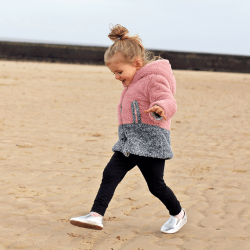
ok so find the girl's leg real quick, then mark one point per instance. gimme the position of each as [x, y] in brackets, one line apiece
[113, 173]
[153, 172]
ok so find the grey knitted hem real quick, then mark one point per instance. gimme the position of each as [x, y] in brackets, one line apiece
[144, 140]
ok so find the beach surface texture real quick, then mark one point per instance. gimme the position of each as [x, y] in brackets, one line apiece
[58, 123]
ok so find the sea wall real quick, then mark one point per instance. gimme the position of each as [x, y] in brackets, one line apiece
[94, 55]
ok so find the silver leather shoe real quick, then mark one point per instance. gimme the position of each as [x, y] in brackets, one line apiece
[174, 224]
[88, 221]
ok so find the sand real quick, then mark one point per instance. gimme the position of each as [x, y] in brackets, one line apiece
[58, 123]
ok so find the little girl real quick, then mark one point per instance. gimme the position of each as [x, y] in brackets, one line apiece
[144, 116]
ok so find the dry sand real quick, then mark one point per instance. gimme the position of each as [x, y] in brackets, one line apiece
[58, 123]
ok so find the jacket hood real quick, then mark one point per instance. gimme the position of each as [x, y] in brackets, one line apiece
[159, 67]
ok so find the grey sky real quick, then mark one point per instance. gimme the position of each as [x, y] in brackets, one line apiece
[211, 26]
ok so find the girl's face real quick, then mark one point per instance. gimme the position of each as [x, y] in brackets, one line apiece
[123, 72]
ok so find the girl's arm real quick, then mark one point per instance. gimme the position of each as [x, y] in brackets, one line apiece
[160, 94]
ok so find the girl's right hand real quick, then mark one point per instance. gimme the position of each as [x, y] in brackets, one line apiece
[157, 109]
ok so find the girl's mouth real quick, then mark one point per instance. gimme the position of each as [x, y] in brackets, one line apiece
[123, 80]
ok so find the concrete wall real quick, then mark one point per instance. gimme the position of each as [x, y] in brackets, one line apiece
[94, 55]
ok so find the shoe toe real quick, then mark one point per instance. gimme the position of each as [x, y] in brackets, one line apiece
[170, 224]
[88, 221]
[165, 228]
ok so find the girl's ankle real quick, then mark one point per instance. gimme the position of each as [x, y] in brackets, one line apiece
[94, 214]
[180, 215]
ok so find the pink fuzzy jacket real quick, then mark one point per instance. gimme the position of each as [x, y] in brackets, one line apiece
[153, 84]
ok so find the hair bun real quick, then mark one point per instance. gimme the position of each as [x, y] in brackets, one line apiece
[118, 32]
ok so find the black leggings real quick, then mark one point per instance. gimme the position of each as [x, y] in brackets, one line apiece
[152, 170]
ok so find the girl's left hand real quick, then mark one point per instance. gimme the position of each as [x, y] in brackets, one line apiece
[158, 110]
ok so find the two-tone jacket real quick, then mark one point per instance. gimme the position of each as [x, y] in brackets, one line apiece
[147, 134]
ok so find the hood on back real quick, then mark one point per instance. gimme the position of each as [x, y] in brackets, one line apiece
[159, 67]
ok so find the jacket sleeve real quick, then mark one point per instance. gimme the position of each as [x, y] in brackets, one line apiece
[161, 95]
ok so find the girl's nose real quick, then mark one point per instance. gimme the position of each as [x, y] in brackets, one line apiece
[117, 76]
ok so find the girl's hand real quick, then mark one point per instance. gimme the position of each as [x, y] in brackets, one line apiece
[158, 110]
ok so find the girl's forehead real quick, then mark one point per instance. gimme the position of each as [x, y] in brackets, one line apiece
[115, 65]
[116, 62]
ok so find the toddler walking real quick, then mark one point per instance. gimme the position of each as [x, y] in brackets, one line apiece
[144, 116]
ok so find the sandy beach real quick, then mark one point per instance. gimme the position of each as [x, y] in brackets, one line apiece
[58, 123]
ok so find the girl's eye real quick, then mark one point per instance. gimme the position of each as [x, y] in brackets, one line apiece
[120, 72]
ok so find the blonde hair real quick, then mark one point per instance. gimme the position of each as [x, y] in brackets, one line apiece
[129, 46]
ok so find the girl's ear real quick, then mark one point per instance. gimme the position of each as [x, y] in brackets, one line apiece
[138, 63]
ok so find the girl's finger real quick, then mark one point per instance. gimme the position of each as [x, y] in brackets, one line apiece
[149, 110]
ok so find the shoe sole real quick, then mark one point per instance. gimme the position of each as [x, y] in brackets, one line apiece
[85, 225]
[175, 230]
